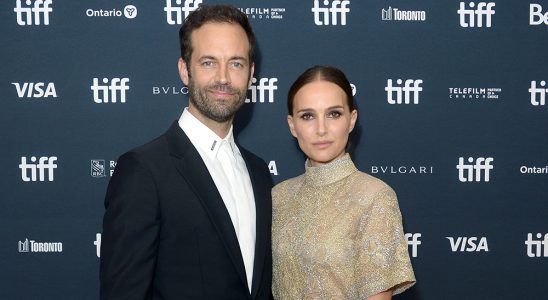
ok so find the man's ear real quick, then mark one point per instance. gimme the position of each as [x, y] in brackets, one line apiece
[251, 72]
[183, 71]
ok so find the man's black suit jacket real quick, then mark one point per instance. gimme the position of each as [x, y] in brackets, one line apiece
[167, 233]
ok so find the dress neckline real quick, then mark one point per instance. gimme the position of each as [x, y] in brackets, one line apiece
[330, 172]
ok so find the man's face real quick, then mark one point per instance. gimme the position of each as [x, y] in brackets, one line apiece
[219, 72]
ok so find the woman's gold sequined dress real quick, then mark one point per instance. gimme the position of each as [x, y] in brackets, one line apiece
[337, 234]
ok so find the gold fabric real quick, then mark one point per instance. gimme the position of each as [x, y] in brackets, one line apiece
[337, 234]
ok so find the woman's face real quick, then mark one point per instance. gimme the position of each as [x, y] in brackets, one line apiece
[321, 121]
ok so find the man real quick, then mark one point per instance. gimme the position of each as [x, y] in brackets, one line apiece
[188, 215]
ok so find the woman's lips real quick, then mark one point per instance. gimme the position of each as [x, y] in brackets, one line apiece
[322, 144]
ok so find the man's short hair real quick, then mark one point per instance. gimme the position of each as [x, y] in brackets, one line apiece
[214, 14]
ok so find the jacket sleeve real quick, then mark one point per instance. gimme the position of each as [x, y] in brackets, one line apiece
[129, 242]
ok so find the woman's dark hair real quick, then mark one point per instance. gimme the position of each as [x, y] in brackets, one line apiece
[214, 14]
[320, 73]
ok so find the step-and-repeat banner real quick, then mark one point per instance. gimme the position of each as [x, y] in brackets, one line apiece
[453, 114]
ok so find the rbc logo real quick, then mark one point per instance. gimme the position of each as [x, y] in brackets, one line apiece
[44, 163]
[29, 15]
[189, 6]
[535, 11]
[35, 90]
[541, 92]
[537, 248]
[474, 17]
[329, 15]
[403, 94]
[117, 86]
[265, 84]
[472, 172]
[468, 244]
[413, 241]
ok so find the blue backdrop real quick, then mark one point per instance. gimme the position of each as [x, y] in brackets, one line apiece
[452, 114]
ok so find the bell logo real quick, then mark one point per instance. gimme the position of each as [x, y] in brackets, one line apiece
[413, 241]
[188, 7]
[538, 91]
[403, 94]
[31, 15]
[473, 171]
[536, 17]
[329, 15]
[538, 247]
[265, 85]
[35, 90]
[38, 170]
[468, 244]
[474, 16]
[117, 88]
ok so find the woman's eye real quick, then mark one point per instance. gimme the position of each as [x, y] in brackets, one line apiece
[306, 116]
[334, 114]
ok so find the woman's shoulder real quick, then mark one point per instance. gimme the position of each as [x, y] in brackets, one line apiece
[369, 184]
[288, 184]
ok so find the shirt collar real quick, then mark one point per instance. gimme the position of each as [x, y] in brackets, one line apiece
[204, 138]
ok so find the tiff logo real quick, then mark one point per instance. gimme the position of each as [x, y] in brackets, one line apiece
[44, 163]
[535, 10]
[473, 171]
[265, 85]
[29, 15]
[413, 241]
[329, 15]
[468, 244]
[403, 94]
[537, 248]
[474, 17]
[35, 90]
[538, 91]
[187, 8]
[101, 92]
[97, 244]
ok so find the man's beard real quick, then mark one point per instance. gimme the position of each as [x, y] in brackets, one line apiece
[217, 110]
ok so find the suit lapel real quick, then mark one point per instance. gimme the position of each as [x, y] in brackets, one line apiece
[262, 218]
[190, 165]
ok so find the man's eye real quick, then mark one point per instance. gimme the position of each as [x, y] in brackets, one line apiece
[237, 65]
[207, 63]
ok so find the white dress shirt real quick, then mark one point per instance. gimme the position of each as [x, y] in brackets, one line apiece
[228, 170]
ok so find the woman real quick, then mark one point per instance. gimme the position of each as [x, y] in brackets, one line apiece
[336, 232]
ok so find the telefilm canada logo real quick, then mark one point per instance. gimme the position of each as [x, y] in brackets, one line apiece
[100, 169]
[330, 12]
[33, 12]
[32, 246]
[396, 14]
[474, 93]
[129, 11]
[264, 13]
